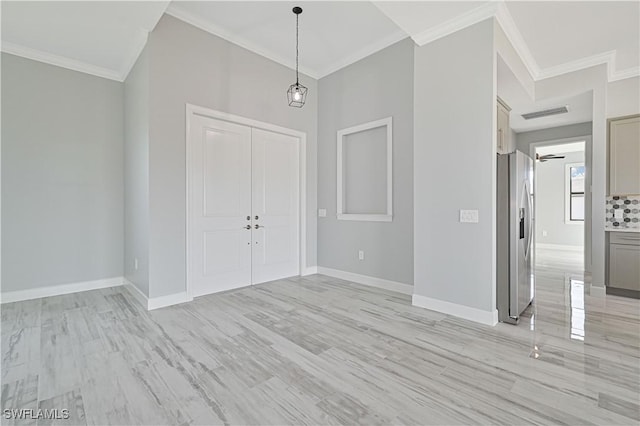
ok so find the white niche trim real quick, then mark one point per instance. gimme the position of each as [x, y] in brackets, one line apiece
[344, 212]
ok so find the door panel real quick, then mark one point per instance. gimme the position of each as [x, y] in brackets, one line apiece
[275, 201]
[220, 197]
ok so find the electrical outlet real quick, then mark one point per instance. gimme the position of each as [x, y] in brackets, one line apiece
[135, 263]
[544, 233]
[360, 255]
[322, 212]
[469, 216]
[618, 214]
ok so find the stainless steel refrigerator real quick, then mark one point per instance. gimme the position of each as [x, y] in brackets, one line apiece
[515, 245]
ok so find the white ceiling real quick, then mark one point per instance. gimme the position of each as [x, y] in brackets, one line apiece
[511, 91]
[98, 37]
[332, 34]
[104, 38]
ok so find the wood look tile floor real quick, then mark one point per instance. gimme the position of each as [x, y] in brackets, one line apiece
[318, 350]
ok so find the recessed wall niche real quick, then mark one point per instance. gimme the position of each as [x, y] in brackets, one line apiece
[365, 187]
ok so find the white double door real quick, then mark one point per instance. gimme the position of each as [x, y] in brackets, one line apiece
[244, 189]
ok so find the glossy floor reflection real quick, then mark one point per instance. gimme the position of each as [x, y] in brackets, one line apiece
[318, 350]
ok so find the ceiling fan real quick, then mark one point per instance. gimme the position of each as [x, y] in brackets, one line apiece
[543, 158]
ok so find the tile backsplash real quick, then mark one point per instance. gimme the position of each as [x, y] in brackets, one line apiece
[630, 207]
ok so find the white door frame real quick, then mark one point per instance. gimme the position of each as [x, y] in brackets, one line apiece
[588, 161]
[193, 110]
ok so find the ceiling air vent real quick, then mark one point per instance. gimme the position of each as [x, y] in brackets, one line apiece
[545, 113]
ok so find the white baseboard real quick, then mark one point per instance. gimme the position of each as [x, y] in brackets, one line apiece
[461, 311]
[559, 247]
[168, 300]
[310, 270]
[137, 293]
[367, 280]
[155, 302]
[57, 290]
[597, 290]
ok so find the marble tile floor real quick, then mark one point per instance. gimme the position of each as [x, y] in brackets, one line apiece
[317, 350]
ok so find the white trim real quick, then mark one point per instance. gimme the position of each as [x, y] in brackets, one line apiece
[578, 64]
[559, 247]
[460, 311]
[615, 75]
[310, 270]
[567, 194]
[136, 293]
[60, 61]
[368, 50]
[458, 23]
[597, 290]
[175, 11]
[134, 54]
[365, 217]
[341, 215]
[168, 300]
[510, 29]
[367, 280]
[155, 302]
[57, 290]
[500, 12]
[191, 110]
[216, 30]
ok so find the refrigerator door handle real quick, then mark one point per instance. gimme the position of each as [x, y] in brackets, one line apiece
[529, 220]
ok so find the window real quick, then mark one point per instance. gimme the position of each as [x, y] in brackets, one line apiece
[575, 193]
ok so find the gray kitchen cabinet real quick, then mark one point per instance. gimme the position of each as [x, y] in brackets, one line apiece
[504, 129]
[624, 261]
[624, 156]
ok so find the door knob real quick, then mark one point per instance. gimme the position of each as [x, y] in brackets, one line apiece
[248, 217]
[257, 217]
[247, 227]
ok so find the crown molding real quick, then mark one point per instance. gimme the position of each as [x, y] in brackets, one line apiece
[363, 53]
[226, 35]
[458, 23]
[510, 29]
[579, 64]
[500, 12]
[60, 61]
[134, 53]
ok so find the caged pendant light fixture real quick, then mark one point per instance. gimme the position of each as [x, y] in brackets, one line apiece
[297, 93]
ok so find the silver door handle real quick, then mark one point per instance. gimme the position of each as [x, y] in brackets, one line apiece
[258, 226]
[247, 227]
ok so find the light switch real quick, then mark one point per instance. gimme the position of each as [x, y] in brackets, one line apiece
[469, 216]
[618, 214]
[322, 212]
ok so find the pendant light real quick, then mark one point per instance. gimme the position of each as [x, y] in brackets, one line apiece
[297, 93]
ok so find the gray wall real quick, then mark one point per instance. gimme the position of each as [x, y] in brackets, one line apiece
[62, 176]
[550, 203]
[378, 86]
[136, 174]
[525, 139]
[454, 168]
[188, 65]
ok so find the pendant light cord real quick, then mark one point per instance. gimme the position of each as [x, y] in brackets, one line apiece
[297, 81]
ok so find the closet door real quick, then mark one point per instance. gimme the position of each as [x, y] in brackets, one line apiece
[220, 229]
[275, 206]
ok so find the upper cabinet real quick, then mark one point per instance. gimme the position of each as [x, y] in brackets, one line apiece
[504, 131]
[624, 156]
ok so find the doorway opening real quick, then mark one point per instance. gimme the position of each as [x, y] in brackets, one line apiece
[560, 181]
